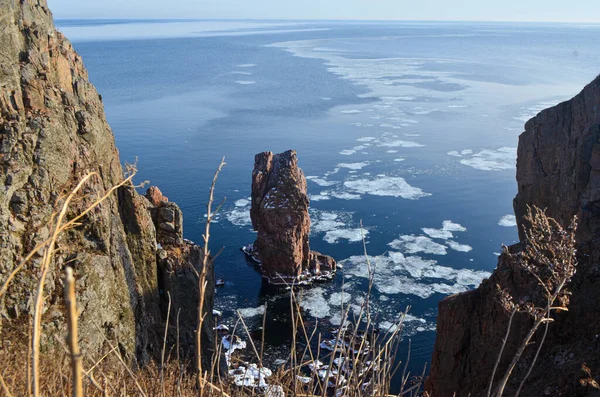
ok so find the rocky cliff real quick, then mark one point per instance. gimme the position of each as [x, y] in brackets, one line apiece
[558, 168]
[52, 132]
[280, 216]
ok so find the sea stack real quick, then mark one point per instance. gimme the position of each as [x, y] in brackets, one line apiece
[280, 217]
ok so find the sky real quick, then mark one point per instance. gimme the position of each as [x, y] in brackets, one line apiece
[454, 10]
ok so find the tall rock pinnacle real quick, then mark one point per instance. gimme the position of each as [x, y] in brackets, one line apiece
[280, 216]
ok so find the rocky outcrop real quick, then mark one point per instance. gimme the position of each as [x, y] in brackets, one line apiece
[280, 217]
[52, 132]
[558, 168]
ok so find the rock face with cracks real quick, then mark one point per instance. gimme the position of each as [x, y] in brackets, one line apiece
[280, 217]
[558, 168]
[53, 131]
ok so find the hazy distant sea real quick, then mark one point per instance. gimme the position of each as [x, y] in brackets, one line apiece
[411, 127]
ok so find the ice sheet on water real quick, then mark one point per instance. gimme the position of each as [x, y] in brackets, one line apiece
[352, 235]
[252, 311]
[313, 300]
[399, 143]
[412, 244]
[321, 181]
[504, 158]
[354, 166]
[459, 247]
[508, 221]
[396, 273]
[385, 186]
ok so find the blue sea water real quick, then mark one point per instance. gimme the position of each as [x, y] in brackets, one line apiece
[409, 127]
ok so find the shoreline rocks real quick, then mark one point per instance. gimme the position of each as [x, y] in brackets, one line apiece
[279, 214]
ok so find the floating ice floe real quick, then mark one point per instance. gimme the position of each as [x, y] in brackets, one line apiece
[321, 181]
[240, 214]
[352, 235]
[527, 113]
[313, 300]
[386, 186]
[504, 158]
[252, 311]
[412, 244]
[459, 247]
[366, 139]
[335, 226]
[399, 143]
[354, 166]
[446, 231]
[351, 111]
[319, 197]
[345, 196]
[247, 65]
[245, 82]
[396, 273]
[508, 221]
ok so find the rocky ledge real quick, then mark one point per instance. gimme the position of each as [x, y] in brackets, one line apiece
[280, 217]
[558, 168]
[128, 253]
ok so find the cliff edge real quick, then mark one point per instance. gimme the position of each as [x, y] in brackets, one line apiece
[558, 168]
[52, 132]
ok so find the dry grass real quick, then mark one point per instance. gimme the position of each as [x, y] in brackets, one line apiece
[550, 258]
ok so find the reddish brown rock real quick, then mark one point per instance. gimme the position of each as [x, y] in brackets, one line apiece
[280, 216]
[558, 168]
[155, 196]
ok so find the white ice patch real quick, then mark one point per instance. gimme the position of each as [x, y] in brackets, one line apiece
[386, 186]
[504, 158]
[246, 65]
[242, 203]
[339, 298]
[391, 151]
[437, 233]
[320, 197]
[351, 111]
[459, 247]
[529, 112]
[508, 221]
[413, 275]
[345, 196]
[399, 159]
[245, 82]
[352, 235]
[321, 181]
[400, 143]
[313, 300]
[414, 244]
[366, 139]
[239, 217]
[252, 311]
[354, 166]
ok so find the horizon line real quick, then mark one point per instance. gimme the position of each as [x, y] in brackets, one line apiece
[323, 20]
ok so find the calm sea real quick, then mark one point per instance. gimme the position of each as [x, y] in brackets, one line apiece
[409, 127]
